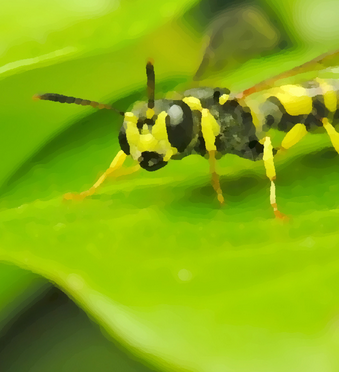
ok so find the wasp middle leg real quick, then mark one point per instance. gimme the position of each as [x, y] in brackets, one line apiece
[271, 174]
[215, 177]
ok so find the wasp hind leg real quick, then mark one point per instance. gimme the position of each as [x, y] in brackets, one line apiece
[215, 177]
[333, 134]
[116, 164]
[270, 172]
[293, 136]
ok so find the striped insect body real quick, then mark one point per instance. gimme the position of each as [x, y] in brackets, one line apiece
[213, 122]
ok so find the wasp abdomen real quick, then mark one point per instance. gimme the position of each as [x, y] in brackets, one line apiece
[305, 104]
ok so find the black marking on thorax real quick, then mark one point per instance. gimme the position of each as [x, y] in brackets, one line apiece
[237, 131]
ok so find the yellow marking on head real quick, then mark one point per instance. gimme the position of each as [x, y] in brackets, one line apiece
[223, 99]
[156, 141]
[334, 135]
[268, 159]
[294, 136]
[147, 143]
[145, 129]
[149, 113]
[132, 132]
[193, 103]
[294, 98]
[159, 132]
[330, 95]
[210, 129]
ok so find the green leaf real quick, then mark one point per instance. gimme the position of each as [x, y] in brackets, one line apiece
[60, 337]
[19, 289]
[152, 257]
[43, 33]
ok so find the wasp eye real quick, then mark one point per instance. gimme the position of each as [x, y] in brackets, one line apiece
[151, 160]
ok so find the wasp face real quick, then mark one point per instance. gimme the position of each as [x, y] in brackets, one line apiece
[153, 136]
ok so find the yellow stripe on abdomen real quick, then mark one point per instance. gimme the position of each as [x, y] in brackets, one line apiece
[329, 93]
[294, 98]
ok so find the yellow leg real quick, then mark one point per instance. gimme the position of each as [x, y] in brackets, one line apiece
[115, 165]
[270, 172]
[215, 177]
[334, 135]
[293, 136]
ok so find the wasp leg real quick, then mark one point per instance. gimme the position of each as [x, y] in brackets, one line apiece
[270, 172]
[215, 176]
[333, 134]
[293, 136]
[117, 162]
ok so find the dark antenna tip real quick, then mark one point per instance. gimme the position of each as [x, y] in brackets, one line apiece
[78, 101]
[150, 83]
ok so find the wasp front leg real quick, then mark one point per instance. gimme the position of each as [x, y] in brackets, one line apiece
[116, 164]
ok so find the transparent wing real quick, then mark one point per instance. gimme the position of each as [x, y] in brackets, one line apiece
[325, 61]
[237, 34]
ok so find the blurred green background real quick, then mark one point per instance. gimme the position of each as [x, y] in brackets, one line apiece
[150, 273]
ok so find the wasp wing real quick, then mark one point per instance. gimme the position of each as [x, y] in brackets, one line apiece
[237, 34]
[322, 62]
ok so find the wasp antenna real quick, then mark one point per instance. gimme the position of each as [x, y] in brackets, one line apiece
[150, 83]
[78, 101]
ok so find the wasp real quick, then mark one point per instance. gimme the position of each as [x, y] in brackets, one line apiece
[215, 122]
